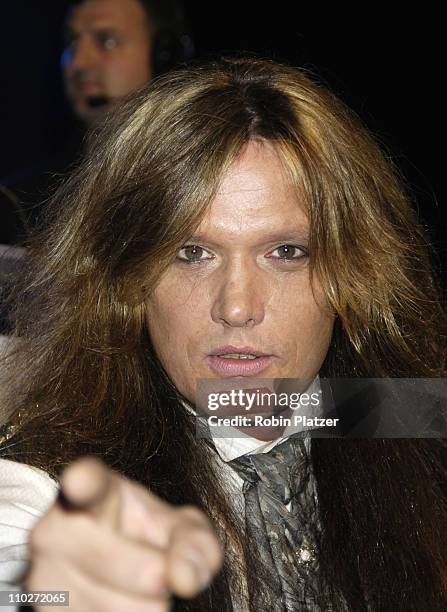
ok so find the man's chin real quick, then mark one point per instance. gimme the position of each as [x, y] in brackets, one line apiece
[264, 434]
[91, 116]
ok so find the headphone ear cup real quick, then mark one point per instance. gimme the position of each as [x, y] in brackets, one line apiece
[170, 49]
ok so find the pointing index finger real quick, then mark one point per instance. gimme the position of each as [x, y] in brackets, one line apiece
[88, 485]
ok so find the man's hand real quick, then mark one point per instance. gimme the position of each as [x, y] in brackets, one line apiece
[114, 546]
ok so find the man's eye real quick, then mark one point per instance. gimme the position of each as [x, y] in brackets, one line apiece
[192, 253]
[107, 41]
[287, 252]
[71, 43]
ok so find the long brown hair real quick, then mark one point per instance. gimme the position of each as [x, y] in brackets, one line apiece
[85, 379]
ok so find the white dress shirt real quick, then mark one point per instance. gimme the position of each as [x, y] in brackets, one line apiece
[26, 493]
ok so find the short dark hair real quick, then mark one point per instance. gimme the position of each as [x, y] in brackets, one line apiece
[165, 14]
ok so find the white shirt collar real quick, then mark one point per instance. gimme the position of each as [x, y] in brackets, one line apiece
[231, 447]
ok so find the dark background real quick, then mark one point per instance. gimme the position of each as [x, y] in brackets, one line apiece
[386, 66]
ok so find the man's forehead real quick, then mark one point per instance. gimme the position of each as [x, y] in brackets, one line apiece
[255, 217]
[257, 167]
[103, 14]
[256, 195]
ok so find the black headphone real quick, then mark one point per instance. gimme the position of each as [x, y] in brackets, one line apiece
[172, 43]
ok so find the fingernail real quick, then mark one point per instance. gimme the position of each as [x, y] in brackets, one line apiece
[193, 557]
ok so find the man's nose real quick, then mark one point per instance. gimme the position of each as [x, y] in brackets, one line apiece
[81, 57]
[240, 298]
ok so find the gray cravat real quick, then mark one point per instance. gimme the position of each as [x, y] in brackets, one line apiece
[286, 539]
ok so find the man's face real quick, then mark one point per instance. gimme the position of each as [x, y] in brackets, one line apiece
[241, 285]
[108, 53]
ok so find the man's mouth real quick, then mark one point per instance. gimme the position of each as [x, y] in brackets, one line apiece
[88, 88]
[237, 356]
[238, 361]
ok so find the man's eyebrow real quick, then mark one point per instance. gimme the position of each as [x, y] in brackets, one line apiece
[284, 236]
[69, 34]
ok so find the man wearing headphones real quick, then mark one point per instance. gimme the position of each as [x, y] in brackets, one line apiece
[112, 48]
[116, 46]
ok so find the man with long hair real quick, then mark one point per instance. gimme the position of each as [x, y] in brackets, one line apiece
[233, 220]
